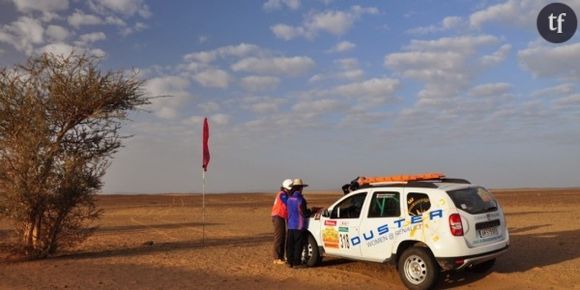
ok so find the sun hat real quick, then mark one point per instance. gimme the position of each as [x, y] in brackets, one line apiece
[299, 182]
[287, 184]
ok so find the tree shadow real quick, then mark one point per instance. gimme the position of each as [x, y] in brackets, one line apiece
[170, 247]
[142, 228]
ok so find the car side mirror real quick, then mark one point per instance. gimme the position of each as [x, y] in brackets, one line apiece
[326, 213]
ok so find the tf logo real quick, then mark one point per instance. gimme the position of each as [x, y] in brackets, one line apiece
[557, 22]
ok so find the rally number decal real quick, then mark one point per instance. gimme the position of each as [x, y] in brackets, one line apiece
[344, 241]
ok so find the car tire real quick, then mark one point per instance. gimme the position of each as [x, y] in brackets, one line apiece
[311, 254]
[418, 269]
[483, 267]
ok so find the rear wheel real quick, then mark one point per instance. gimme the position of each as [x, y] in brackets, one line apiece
[311, 254]
[418, 269]
[483, 267]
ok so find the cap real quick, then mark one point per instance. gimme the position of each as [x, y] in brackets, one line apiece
[287, 184]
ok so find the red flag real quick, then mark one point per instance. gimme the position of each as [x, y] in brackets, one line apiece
[206, 155]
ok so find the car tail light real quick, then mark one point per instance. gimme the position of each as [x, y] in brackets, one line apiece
[455, 225]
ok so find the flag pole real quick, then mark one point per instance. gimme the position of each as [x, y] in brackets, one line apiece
[206, 158]
[203, 211]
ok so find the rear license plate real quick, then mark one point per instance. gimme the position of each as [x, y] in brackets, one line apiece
[488, 232]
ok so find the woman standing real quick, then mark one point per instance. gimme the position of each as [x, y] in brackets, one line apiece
[279, 216]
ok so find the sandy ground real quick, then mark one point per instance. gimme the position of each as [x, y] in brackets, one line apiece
[544, 254]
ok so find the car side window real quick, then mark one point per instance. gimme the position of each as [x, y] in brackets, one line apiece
[385, 204]
[418, 203]
[350, 208]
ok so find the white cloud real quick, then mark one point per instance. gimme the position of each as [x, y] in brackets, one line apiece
[271, 5]
[42, 6]
[292, 66]
[172, 92]
[450, 22]
[64, 49]
[446, 68]
[517, 12]
[126, 7]
[486, 90]
[58, 48]
[269, 107]
[558, 90]
[209, 107]
[214, 78]
[317, 106]
[331, 21]
[240, 50]
[373, 91]
[347, 69]
[139, 26]
[568, 101]
[259, 83]
[498, 56]
[79, 18]
[288, 32]
[23, 34]
[114, 20]
[334, 22]
[427, 65]
[89, 38]
[343, 46]
[263, 105]
[56, 32]
[446, 65]
[562, 61]
[456, 44]
[220, 119]
[350, 69]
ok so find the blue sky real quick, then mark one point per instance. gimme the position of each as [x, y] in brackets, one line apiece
[325, 90]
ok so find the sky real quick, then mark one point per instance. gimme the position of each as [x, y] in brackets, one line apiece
[324, 90]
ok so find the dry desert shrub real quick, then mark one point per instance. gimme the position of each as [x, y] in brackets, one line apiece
[60, 118]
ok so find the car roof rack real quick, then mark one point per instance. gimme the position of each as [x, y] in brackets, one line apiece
[401, 178]
[425, 180]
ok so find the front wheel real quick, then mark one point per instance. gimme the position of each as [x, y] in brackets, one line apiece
[418, 269]
[311, 254]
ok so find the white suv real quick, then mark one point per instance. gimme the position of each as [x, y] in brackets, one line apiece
[424, 224]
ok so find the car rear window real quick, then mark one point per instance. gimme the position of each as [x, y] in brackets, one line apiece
[473, 200]
[418, 203]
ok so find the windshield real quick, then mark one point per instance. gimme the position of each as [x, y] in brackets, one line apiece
[473, 200]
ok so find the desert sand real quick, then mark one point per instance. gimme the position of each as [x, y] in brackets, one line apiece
[155, 242]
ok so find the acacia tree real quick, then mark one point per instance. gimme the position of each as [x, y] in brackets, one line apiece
[60, 118]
